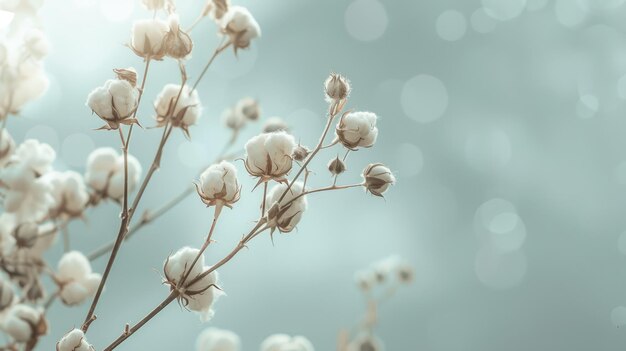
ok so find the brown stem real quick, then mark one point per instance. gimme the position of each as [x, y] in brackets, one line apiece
[264, 197]
[202, 249]
[130, 331]
[217, 51]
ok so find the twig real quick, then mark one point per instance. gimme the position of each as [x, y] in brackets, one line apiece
[217, 51]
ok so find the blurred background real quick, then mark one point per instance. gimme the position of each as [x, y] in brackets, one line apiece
[502, 119]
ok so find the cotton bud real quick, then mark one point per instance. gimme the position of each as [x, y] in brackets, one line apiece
[75, 278]
[6, 294]
[405, 272]
[336, 166]
[128, 74]
[24, 323]
[36, 156]
[216, 9]
[7, 147]
[283, 342]
[378, 178]
[357, 129]
[25, 234]
[148, 37]
[249, 108]
[115, 102]
[200, 295]
[233, 120]
[365, 279]
[181, 110]
[366, 342]
[177, 43]
[75, 340]
[219, 185]
[300, 153]
[69, 193]
[36, 44]
[240, 26]
[337, 88]
[286, 214]
[105, 172]
[153, 5]
[275, 124]
[268, 156]
[214, 339]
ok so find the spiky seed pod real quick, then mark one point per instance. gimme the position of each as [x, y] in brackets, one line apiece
[336, 166]
[336, 87]
[300, 153]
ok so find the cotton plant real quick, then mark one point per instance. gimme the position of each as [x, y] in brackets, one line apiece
[40, 199]
[378, 283]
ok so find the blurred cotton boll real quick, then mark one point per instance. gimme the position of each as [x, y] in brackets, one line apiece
[148, 38]
[24, 323]
[75, 340]
[214, 339]
[75, 278]
[284, 342]
[179, 106]
[240, 26]
[105, 173]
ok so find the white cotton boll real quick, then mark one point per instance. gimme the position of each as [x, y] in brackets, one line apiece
[275, 124]
[283, 342]
[26, 196]
[248, 108]
[357, 129]
[22, 322]
[219, 185]
[199, 296]
[287, 214]
[188, 108]
[154, 5]
[7, 294]
[76, 279]
[115, 102]
[101, 163]
[28, 82]
[36, 43]
[115, 189]
[148, 37]
[7, 147]
[378, 178]
[214, 339]
[36, 156]
[233, 120]
[269, 155]
[240, 26]
[75, 340]
[69, 193]
[7, 240]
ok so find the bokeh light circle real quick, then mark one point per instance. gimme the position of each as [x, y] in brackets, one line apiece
[504, 10]
[499, 226]
[366, 20]
[481, 22]
[424, 98]
[451, 25]
[500, 270]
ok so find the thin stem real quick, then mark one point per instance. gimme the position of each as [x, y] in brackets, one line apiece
[66, 238]
[264, 197]
[130, 331]
[141, 89]
[202, 249]
[217, 51]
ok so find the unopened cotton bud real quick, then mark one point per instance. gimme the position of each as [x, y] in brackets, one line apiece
[286, 214]
[275, 124]
[25, 234]
[115, 102]
[128, 74]
[178, 44]
[337, 87]
[365, 279]
[214, 339]
[357, 129]
[75, 278]
[336, 166]
[284, 342]
[378, 178]
[24, 323]
[75, 340]
[219, 185]
[147, 38]
[240, 26]
[249, 108]
[268, 156]
[200, 295]
[233, 120]
[365, 342]
[300, 153]
[405, 273]
[181, 110]
[153, 5]
[6, 294]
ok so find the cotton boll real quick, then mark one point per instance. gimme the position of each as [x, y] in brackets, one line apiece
[214, 339]
[219, 185]
[25, 234]
[36, 155]
[75, 278]
[147, 38]
[283, 342]
[357, 129]
[366, 342]
[26, 82]
[115, 189]
[27, 196]
[105, 172]
[200, 295]
[75, 340]
[216, 9]
[115, 102]
[248, 108]
[24, 323]
[269, 155]
[378, 178]
[36, 43]
[240, 26]
[153, 5]
[177, 43]
[69, 193]
[287, 214]
[275, 124]
[183, 112]
[233, 120]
